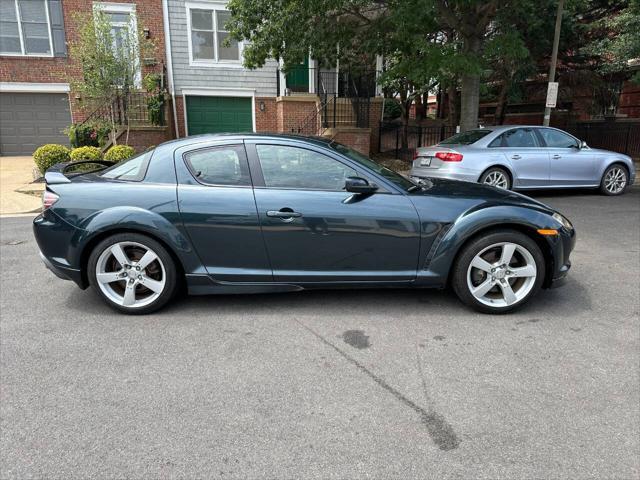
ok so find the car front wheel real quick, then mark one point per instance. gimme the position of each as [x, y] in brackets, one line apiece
[498, 272]
[614, 180]
[133, 273]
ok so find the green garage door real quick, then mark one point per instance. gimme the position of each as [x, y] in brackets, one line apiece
[219, 114]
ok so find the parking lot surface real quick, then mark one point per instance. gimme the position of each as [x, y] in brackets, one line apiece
[331, 384]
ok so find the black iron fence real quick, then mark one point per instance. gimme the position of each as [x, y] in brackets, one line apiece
[132, 108]
[336, 112]
[402, 141]
[322, 81]
[622, 137]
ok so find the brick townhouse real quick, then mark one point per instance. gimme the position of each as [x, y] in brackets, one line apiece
[37, 73]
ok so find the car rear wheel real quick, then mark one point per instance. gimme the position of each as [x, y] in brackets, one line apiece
[614, 180]
[498, 177]
[133, 273]
[498, 272]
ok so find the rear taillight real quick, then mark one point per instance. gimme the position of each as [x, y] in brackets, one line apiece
[449, 156]
[48, 199]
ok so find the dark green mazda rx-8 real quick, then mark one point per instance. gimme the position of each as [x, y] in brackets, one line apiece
[266, 213]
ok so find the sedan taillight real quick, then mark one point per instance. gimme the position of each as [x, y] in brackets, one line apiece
[48, 199]
[449, 156]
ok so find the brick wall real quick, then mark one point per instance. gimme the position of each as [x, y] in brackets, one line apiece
[356, 138]
[375, 116]
[267, 119]
[292, 112]
[65, 69]
[141, 138]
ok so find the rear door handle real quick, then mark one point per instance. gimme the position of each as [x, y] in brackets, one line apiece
[283, 213]
[516, 157]
[557, 156]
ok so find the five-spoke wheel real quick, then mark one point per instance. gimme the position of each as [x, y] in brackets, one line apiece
[134, 273]
[499, 272]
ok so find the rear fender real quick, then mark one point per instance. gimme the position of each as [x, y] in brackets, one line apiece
[139, 220]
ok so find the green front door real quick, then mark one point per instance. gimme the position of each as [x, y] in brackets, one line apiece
[298, 77]
[219, 114]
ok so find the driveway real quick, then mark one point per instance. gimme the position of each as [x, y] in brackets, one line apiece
[18, 194]
[336, 384]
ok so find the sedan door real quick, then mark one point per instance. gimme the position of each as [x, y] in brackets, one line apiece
[529, 162]
[570, 165]
[219, 213]
[316, 232]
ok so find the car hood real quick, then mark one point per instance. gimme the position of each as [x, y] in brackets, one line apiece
[475, 193]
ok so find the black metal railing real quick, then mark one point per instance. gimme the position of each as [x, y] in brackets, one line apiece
[403, 140]
[322, 81]
[336, 112]
[622, 136]
[132, 108]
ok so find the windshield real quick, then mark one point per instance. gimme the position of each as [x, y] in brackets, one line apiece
[466, 138]
[390, 175]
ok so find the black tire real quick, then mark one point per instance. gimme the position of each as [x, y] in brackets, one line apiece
[163, 266]
[497, 171]
[608, 189]
[482, 242]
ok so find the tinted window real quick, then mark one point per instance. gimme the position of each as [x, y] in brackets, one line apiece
[520, 137]
[466, 138]
[292, 167]
[220, 165]
[132, 170]
[557, 139]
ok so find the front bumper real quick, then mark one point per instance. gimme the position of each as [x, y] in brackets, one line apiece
[561, 246]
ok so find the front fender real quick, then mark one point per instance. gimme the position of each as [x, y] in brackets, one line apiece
[436, 272]
[164, 226]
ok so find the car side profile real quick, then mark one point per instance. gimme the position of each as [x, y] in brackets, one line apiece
[525, 157]
[254, 213]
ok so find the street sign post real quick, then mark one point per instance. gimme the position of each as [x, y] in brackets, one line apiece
[552, 95]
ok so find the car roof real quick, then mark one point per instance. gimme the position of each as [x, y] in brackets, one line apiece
[500, 128]
[193, 139]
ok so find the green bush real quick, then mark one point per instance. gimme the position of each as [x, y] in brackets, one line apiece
[118, 153]
[392, 109]
[86, 153]
[47, 156]
[90, 134]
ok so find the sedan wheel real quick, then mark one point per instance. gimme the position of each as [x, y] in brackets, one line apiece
[133, 273]
[499, 272]
[496, 177]
[614, 180]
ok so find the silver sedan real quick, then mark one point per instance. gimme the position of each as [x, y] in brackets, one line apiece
[524, 157]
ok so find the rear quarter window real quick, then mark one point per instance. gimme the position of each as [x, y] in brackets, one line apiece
[132, 170]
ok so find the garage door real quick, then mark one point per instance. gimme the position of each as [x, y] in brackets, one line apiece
[28, 120]
[219, 114]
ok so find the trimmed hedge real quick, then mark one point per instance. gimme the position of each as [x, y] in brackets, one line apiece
[86, 153]
[48, 155]
[118, 153]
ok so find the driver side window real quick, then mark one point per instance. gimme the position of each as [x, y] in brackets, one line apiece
[556, 139]
[293, 167]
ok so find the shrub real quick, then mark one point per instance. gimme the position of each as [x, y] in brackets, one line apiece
[90, 134]
[86, 153]
[392, 109]
[47, 156]
[118, 153]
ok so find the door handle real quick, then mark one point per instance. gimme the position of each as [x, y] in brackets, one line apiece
[283, 213]
[516, 157]
[557, 156]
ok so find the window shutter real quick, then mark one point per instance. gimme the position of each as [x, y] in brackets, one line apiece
[57, 28]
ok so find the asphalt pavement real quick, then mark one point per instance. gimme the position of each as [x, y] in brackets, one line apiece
[332, 384]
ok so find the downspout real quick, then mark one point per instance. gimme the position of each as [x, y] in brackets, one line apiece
[167, 44]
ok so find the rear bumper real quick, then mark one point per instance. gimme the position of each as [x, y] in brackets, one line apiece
[463, 175]
[64, 273]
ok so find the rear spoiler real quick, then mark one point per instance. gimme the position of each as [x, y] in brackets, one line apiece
[58, 173]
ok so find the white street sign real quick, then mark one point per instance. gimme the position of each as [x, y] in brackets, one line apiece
[552, 95]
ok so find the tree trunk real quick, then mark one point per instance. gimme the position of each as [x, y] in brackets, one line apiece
[453, 114]
[470, 89]
[501, 107]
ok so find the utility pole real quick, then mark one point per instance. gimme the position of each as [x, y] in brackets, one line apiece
[554, 60]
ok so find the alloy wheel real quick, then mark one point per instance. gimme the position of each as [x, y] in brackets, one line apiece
[502, 274]
[615, 180]
[130, 274]
[497, 179]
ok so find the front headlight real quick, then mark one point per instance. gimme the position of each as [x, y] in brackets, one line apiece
[563, 221]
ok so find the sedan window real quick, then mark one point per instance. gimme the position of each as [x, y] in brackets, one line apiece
[466, 138]
[220, 165]
[516, 138]
[291, 167]
[557, 139]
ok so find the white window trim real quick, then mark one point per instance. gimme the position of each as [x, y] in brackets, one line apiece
[23, 53]
[27, 87]
[218, 92]
[213, 5]
[130, 8]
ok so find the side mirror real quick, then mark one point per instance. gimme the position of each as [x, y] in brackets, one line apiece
[359, 185]
[583, 144]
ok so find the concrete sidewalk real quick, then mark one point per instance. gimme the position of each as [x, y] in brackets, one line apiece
[17, 193]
